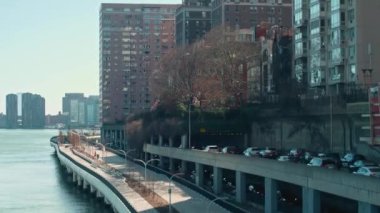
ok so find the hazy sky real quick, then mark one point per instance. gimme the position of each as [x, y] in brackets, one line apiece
[50, 47]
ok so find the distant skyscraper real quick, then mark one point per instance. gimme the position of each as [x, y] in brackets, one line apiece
[92, 110]
[11, 111]
[73, 105]
[193, 21]
[33, 111]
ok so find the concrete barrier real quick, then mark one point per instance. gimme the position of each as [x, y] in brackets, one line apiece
[102, 186]
[355, 187]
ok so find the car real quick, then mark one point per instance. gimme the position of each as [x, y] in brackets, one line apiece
[283, 158]
[372, 171]
[350, 158]
[211, 148]
[295, 154]
[231, 150]
[360, 163]
[289, 197]
[252, 152]
[336, 158]
[268, 153]
[325, 162]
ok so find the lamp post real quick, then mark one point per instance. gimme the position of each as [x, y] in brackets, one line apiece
[170, 190]
[105, 149]
[218, 198]
[145, 164]
[190, 122]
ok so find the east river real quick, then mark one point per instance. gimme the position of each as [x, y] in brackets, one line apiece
[32, 180]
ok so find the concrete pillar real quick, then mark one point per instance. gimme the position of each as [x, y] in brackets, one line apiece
[183, 166]
[270, 195]
[85, 185]
[184, 141]
[151, 140]
[246, 140]
[199, 173]
[98, 194]
[161, 162]
[92, 189]
[74, 177]
[171, 165]
[79, 180]
[364, 207]
[217, 186]
[240, 187]
[106, 201]
[68, 170]
[170, 142]
[311, 201]
[160, 140]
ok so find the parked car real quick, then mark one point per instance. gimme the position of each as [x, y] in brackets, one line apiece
[373, 171]
[295, 154]
[252, 152]
[289, 197]
[360, 163]
[231, 150]
[268, 153]
[306, 157]
[211, 148]
[336, 158]
[322, 162]
[350, 158]
[283, 158]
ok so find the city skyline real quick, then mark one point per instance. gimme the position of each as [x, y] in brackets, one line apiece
[56, 43]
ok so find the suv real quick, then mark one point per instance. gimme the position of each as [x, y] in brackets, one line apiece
[211, 148]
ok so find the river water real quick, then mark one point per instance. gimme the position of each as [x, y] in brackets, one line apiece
[32, 180]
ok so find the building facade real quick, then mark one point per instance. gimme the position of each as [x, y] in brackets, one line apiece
[193, 21]
[335, 44]
[132, 40]
[11, 111]
[32, 111]
[243, 14]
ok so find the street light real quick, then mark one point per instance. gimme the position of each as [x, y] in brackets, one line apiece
[145, 164]
[218, 198]
[105, 149]
[170, 189]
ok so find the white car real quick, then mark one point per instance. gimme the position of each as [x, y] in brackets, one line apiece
[372, 171]
[283, 158]
[211, 148]
[252, 151]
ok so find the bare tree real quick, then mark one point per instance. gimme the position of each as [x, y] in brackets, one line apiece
[214, 70]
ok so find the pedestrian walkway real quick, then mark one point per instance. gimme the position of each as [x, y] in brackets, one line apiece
[136, 201]
[183, 199]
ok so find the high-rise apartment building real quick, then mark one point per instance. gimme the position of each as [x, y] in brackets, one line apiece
[193, 21]
[248, 14]
[132, 39]
[335, 43]
[32, 111]
[11, 111]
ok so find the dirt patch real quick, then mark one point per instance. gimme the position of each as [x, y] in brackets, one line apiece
[160, 204]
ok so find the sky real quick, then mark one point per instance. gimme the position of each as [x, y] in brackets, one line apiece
[51, 47]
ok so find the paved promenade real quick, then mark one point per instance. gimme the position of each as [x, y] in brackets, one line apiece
[183, 199]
